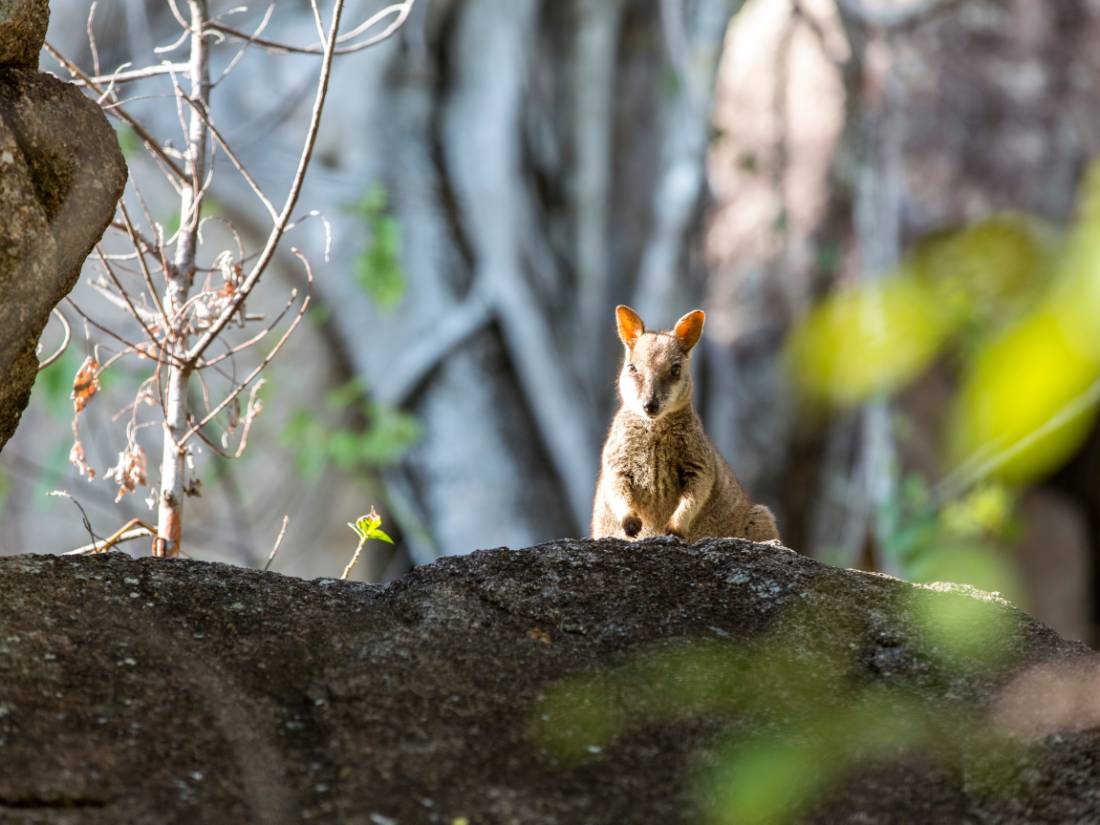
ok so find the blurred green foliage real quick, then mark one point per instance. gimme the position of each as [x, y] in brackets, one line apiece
[316, 437]
[128, 141]
[931, 541]
[54, 385]
[1015, 302]
[867, 339]
[1016, 305]
[378, 268]
[796, 691]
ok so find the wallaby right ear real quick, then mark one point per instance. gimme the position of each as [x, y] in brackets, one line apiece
[630, 325]
[689, 329]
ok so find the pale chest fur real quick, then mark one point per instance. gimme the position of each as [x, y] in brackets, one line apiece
[656, 460]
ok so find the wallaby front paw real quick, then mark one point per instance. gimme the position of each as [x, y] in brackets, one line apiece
[632, 526]
[673, 531]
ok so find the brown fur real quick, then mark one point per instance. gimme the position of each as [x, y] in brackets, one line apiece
[659, 473]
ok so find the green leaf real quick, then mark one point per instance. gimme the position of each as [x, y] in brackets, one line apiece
[378, 268]
[367, 527]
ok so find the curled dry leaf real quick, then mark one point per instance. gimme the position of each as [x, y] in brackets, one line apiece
[85, 384]
[129, 473]
[77, 459]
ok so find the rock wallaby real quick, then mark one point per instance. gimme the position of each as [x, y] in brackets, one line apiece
[659, 473]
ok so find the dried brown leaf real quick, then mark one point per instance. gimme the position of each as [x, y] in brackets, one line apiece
[78, 460]
[130, 472]
[85, 384]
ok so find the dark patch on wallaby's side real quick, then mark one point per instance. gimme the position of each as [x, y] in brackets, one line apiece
[659, 473]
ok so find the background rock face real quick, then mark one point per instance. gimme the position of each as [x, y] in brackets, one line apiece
[61, 173]
[141, 691]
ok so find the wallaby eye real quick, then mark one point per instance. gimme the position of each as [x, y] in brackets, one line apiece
[633, 369]
[675, 371]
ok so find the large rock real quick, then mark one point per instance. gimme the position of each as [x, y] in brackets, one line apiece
[61, 174]
[153, 691]
[23, 26]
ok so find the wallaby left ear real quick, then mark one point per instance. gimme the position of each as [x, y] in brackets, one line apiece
[630, 325]
[689, 329]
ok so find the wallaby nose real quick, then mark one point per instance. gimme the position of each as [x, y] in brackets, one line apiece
[651, 406]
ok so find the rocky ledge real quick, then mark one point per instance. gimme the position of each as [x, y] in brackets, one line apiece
[576, 682]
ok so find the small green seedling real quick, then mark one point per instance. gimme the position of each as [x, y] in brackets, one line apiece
[366, 527]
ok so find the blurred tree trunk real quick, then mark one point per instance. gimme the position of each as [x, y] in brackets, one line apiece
[545, 160]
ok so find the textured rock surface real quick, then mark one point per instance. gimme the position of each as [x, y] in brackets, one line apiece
[61, 173]
[22, 29]
[150, 691]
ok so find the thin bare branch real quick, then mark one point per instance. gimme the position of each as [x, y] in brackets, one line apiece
[175, 44]
[252, 375]
[276, 235]
[91, 37]
[278, 543]
[125, 293]
[135, 528]
[83, 513]
[255, 339]
[176, 13]
[128, 344]
[354, 560]
[123, 74]
[401, 10]
[236, 161]
[64, 343]
[247, 45]
[138, 244]
[253, 408]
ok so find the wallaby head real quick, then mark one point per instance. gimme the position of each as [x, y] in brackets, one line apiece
[656, 376]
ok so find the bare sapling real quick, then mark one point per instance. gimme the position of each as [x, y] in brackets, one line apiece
[181, 293]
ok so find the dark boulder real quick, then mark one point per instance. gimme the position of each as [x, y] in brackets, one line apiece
[61, 174]
[577, 682]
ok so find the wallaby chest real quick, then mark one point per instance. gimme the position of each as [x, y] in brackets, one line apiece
[655, 461]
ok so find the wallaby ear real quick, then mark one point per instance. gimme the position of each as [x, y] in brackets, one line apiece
[689, 329]
[630, 325]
